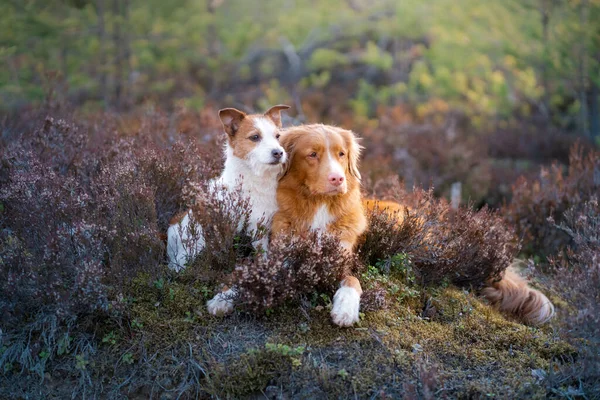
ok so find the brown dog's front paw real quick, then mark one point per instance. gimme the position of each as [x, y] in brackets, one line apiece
[346, 304]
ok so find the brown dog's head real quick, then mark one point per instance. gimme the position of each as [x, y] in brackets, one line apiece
[322, 159]
[255, 138]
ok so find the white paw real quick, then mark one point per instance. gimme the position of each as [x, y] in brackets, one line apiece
[222, 303]
[346, 303]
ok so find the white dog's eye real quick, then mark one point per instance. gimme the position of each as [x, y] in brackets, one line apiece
[277, 136]
[254, 138]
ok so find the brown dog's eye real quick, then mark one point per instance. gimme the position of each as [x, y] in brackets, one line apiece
[277, 136]
[255, 138]
[342, 154]
[313, 154]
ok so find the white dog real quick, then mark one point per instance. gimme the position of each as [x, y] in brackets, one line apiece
[253, 162]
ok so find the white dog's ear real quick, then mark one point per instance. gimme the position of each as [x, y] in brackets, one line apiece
[275, 113]
[231, 120]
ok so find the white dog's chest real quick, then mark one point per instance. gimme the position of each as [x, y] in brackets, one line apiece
[260, 193]
[321, 219]
[263, 209]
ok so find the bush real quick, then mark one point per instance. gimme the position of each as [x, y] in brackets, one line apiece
[578, 280]
[554, 192]
[428, 155]
[296, 267]
[464, 246]
[223, 217]
[82, 211]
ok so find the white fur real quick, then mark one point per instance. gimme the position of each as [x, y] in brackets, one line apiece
[222, 303]
[321, 219]
[258, 183]
[256, 177]
[184, 241]
[346, 303]
[334, 163]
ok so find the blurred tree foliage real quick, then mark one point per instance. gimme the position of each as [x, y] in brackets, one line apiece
[483, 59]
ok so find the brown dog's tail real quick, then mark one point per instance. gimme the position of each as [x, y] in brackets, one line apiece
[511, 294]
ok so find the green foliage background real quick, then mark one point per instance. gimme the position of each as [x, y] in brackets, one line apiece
[480, 58]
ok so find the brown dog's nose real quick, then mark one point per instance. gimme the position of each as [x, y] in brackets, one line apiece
[335, 179]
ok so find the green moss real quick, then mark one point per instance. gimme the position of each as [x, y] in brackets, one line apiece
[168, 311]
[444, 340]
[253, 370]
[471, 344]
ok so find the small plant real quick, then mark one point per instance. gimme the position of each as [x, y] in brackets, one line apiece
[110, 338]
[136, 324]
[81, 362]
[343, 373]
[294, 353]
[64, 345]
[128, 358]
[400, 266]
[159, 284]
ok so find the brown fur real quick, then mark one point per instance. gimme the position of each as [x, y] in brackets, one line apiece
[511, 294]
[303, 188]
[177, 218]
[393, 209]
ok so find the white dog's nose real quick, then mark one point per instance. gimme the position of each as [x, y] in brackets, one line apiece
[277, 153]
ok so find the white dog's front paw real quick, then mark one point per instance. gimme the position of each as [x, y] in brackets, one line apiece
[346, 303]
[222, 303]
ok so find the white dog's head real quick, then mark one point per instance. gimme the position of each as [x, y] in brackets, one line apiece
[255, 138]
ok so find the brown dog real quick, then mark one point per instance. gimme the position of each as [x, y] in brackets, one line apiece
[320, 190]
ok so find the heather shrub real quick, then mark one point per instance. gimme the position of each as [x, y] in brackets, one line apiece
[464, 246]
[467, 247]
[549, 196]
[221, 222]
[52, 249]
[531, 139]
[82, 211]
[296, 267]
[577, 279]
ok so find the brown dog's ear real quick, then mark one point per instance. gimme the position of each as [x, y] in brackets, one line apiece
[288, 140]
[231, 120]
[274, 113]
[354, 150]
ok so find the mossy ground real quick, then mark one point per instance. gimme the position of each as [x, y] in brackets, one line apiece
[427, 343]
[441, 341]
